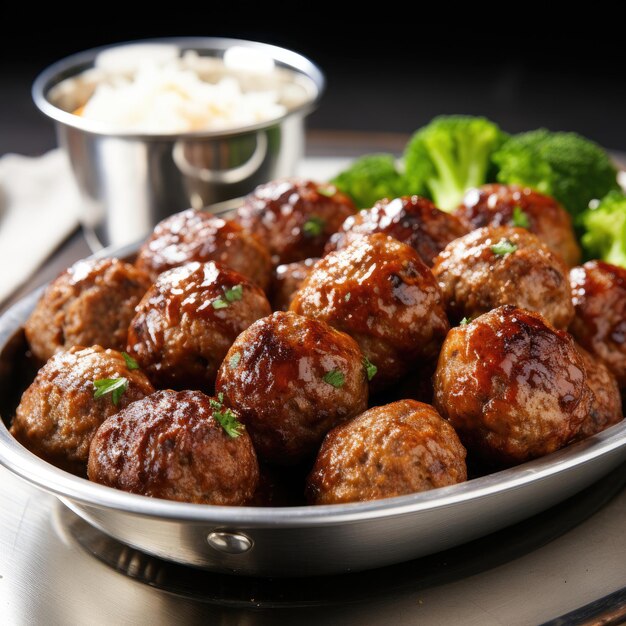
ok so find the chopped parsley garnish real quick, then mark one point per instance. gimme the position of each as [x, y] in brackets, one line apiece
[346, 298]
[370, 368]
[234, 293]
[504, 247]
[230, 295]
[227, 419]
[465, 321]
[520, 219]
[233, 362]
[131, 364]
[115, 386]
[328, 191]
[336, 378]
[219, 303]
[314, 226]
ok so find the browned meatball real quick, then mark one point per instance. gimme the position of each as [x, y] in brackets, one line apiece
[388, 451]
[493, 266]
[292, 379]
[171, 445]
[287, 280]
[294, 218]
[200, 236]
[511, 205]
[58, 414]
[411, 219]
[606, 410]
[90, 303]
[187, 321]
[513, 387]
[599, 325]
[381, 293]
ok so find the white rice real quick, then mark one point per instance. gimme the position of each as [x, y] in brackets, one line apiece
[156, 91]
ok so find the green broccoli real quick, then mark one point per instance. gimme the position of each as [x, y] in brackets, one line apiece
[566, 166]
[450, 155]
[369, 179]
[605, 225]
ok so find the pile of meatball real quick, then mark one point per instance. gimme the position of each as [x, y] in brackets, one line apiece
[304, 351]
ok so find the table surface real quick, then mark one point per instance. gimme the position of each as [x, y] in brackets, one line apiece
[41, 562]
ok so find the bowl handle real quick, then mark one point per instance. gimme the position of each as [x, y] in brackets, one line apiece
[227, 176]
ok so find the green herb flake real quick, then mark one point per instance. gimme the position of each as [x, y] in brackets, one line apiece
[520, 219]
[465, 321]
[233, 362]
[336, 378]
[234, 293]
[114, 386]
[346, 298]
[219, 303]
[328, 191]
[313, 227]
[226, 418]
[370, 368]
[131, 364]
[503, 247]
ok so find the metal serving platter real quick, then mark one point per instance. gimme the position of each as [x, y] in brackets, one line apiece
[302, 540]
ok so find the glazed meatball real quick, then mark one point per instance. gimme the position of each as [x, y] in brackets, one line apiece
[599, 325]
[59, 413]
[200, 236]
[388, 451]
[606, 409]
[172, 445]
[287, 280]
[513, 387]
[380, 292]
[294, 218]
[187, 321]
[511, 205]
[91, 303]
[490, 267]
[411, 219]
[292, 379]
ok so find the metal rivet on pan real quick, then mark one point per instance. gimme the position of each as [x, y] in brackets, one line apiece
[229, 543]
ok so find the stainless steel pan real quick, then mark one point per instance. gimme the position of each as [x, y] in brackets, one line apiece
[305, 540]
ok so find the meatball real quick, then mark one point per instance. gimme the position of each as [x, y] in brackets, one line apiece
[287, 280]
[411, 219]
[59, 413]
[388, 451]
[490, 267]
[599, 325]
[607, 407]
[513, 387]
[294, 218]
[380, 292]
[90, 303]
[172, 445]
[511, 205]
[201, 236]
[292, 379]
[187, 321]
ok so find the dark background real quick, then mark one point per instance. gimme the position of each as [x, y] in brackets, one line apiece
[389, 73]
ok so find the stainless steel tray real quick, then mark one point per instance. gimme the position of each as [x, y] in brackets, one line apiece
[304, 540]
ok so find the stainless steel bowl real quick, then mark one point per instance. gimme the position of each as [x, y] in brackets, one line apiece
[130, 181]
[307, 540]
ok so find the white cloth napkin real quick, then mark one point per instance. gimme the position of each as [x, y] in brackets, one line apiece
[39, 208]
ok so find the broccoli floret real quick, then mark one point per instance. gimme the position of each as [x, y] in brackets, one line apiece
[449, 155]
[369, 179]
[605, 225]
[566, 166]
